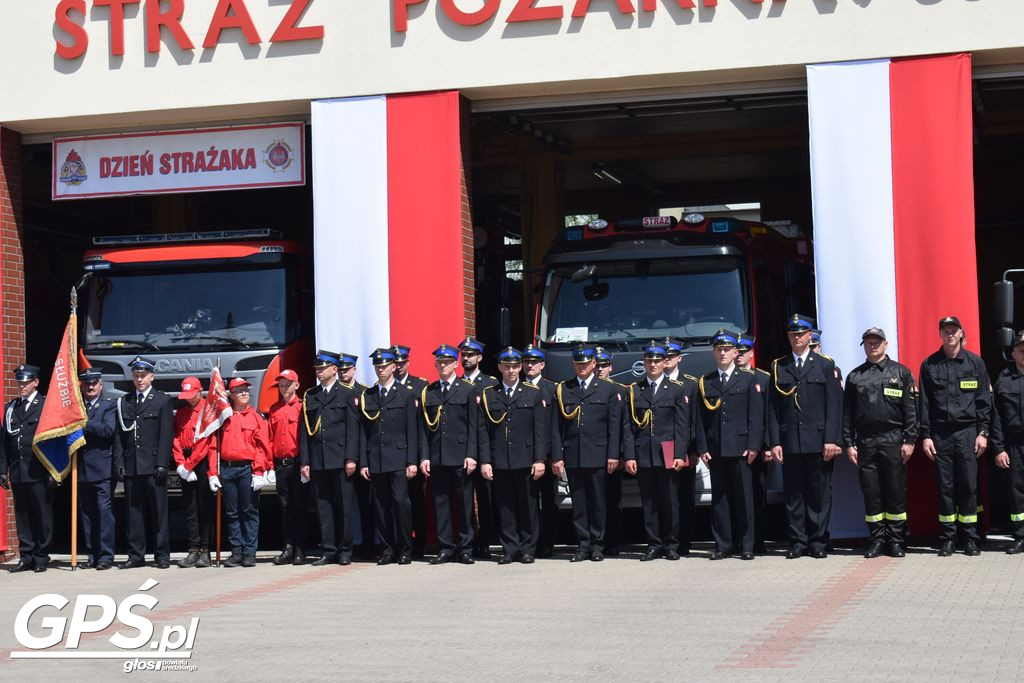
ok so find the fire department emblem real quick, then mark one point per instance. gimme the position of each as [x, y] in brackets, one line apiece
[73, 171]
[279, 156]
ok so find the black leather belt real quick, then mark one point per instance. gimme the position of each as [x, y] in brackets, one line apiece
[283, 462]
[236, 463]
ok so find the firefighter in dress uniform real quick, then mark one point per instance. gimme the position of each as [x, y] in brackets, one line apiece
[451, 420]
[732, 410]
[955, 411]
[759, 467]
[144, 446]
[24, 473]
[96, 471]
[516, 415]
[686, 477]
[879, 431]
[658, 435]
[1008, 436]
[534, 360]
[330, 441]
[389, 458]
[805, 424]
[471, 352]
[586, 446]
[613, 480]
[417, 497]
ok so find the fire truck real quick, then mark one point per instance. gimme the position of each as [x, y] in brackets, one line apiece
[621, 284]
[240, 299]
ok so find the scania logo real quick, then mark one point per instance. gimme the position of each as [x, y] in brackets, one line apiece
[184, 365]
[638, 368]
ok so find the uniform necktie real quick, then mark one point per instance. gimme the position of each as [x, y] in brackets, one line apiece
[799, 363]
[383, 392]
[138, 397]
[444, 389]
[725, 377]
[508, 392]
[654, 388]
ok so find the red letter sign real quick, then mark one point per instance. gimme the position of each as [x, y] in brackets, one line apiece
[583, 6]
[400, 8]
[525, 11]
[171, 19]
[223, 20]
[288, 30]
[116, 22]
[476, 18]
[63, 18]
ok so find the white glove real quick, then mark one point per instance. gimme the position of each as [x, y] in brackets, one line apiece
[192, 476]
[271, 478]
[215, 484]
[183, 473]
[303, 479]
[258, 482]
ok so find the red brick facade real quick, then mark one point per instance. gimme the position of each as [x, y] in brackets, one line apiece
[468, 255]
[12, 293]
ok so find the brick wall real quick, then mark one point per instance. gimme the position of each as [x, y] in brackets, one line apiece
[12, 290]
[468, 256]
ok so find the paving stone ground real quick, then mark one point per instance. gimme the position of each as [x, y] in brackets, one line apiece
[842, 618]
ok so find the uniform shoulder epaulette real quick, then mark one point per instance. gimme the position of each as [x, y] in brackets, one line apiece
[347, 386]
[493, 387]
[491, 377]
[531, 386]
[763, 372]
[675, 381]
[407, 387]
[528, 383]
[747, 370]
[467, 382]
[689, 377]
[827, 357]
[312, 388]
[710, 375]
[610, 381]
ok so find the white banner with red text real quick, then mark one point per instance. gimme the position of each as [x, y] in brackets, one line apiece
[167, 162]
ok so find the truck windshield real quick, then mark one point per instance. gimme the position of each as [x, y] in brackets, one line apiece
[151, 310]
[624, 300]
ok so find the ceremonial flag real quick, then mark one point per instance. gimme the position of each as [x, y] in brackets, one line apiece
[63, 418]
[216, 407]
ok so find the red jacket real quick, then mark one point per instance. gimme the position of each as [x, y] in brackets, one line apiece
[184, 437]
[284, 428]
[243, 437]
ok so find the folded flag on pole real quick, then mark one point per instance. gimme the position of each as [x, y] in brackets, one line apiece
[216, 407]
[61, 424]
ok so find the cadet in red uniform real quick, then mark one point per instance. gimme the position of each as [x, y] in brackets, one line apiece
[244, 458]
[284, 447]
[191, 458]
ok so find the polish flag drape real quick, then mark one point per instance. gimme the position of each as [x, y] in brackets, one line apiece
[216, 408]
[62, 420]
[893, 190]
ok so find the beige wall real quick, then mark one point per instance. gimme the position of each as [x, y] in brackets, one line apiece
[361, 54]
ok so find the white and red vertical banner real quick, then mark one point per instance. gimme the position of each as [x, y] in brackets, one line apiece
[892, 178]
[387, 195]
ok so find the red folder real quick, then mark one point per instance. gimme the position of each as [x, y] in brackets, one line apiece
[668, 454]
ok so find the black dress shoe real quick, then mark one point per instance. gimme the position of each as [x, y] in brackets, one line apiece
[794, 553]
[344, 560]
[747, 555]
[40, 568]
[405, 558]
[466, 557]
[102, 565]
[324, 561]
[651, 554]
[596, 555]
[581, 554]
[526, 559]
[718, 555]
[947, 548]
[508, 558]
[971, 549]
[299, 557]
[22, 566]
[671, 555]
[163, 563]
[386, 558]
[133, 564]
[1017, 548]
[442, 557]
[896, 550]
[874, 550]
[818, 553]
[286, 556]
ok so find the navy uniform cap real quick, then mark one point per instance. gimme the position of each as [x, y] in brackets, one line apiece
[950, 320]
[603, 356]
[654, 351]
[401, 352]
[90, 375]
[582, 354]
[140, 363]
[471, 345]
[1018, 338]
[347, 360]
[673, 347]
[325, 358]
[533, 352]
[382, 357]
[799, 323]
[745, 342]
[815, 337]
[510, 356]
[724, 338]
[25, 373]
[446, 351]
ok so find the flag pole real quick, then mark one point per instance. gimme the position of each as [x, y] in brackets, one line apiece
[219, 435]
[74, 456]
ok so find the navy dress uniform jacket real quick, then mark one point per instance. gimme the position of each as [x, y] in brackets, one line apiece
[336, 442]
[456, 423]
[668, 423]
[515, 426]
[95, 459]
[804, 421]
[737, 424]
[590, 437]
[389, 426]
[16, 448]
[148, 445]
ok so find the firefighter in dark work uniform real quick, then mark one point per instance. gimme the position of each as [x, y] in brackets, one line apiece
[805, 425]
[955, 409]
[879, 432]
[451, 418]
[1008, 436]
[416, 484]
[33, 486]
[586, 445]
[145, 439]
[471, 351]
[613, 480]
[655, 451]
[686, 477]
[533, 372]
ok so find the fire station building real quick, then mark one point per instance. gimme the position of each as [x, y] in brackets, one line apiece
[426, 153]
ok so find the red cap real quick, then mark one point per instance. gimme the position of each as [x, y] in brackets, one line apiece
[190, 388]
[289, 375]
[238, 382]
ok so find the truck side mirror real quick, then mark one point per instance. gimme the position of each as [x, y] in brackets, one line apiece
[584, 273]
[1002, 304]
